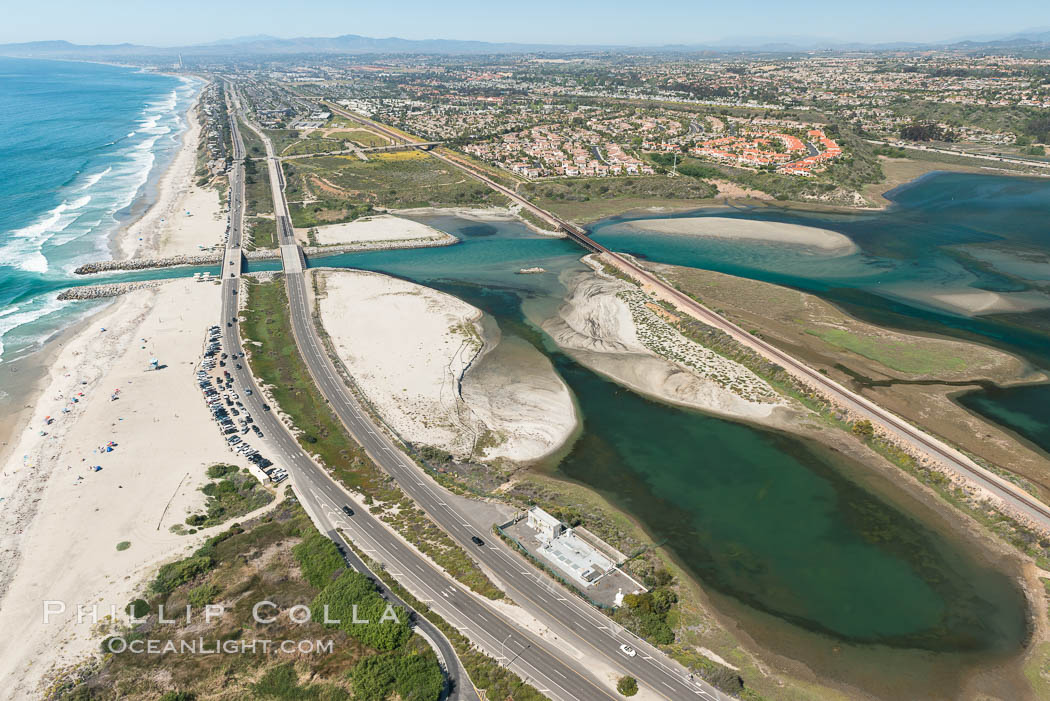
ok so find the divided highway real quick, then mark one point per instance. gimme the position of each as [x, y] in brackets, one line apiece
[561, 666]
[283, 446]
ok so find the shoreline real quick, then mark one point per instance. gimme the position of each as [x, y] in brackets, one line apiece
[48, 487]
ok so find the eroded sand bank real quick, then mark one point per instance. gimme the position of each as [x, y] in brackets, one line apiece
[610, 327]
[417, 355]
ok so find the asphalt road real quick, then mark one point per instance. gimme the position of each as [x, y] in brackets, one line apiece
[282, 448]
[577, 623]
[550, 663]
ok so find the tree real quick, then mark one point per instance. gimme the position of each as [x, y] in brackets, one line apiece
[628, 686]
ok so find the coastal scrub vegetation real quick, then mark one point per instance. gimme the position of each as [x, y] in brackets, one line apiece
[486, 673]
[584, 199]
[232, 494]
[244, 564]
[397, 180]
[257, 197]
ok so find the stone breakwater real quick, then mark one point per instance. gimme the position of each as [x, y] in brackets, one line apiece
[104, 266]
[444, 240]
[110, 290]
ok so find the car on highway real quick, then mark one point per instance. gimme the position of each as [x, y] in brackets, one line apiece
[628, 650]
[348, 511]
[477, 541]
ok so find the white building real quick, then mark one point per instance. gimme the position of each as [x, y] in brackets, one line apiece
[546, 526]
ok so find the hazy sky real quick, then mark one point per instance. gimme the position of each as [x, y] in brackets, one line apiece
[176, 22]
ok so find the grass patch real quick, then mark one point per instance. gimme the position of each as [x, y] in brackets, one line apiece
[586, 199]
[275, 359]
[897, 355]
[257, 197]
[326, 210]
[365, 139]
[253, 145]
[263, 232]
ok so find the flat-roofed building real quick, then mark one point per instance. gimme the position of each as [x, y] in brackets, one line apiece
[546, 526]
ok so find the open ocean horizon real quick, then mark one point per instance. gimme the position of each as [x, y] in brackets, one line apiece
[82, 144]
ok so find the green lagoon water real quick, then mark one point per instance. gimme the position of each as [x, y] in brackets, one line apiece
[811, 554]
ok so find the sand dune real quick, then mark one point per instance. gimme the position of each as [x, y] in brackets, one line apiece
[380, 228]
[412, 351]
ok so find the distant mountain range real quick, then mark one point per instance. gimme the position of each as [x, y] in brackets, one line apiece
[263, 45]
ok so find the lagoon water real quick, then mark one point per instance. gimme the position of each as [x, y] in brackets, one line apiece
[79, 142]
[811, 554]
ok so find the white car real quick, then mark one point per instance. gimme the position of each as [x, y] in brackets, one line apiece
[628, 650]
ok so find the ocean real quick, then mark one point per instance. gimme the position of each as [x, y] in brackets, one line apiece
[81, 145]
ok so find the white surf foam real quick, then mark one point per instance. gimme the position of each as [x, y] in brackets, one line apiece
[93, 179]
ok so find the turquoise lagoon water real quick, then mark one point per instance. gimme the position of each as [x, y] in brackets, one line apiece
[805, 549]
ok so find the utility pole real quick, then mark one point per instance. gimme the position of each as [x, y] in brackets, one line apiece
[674, 168]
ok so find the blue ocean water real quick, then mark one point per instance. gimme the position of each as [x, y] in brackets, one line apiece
[79, 143]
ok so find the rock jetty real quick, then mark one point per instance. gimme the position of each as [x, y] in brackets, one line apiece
[103, 266]
[103, 291]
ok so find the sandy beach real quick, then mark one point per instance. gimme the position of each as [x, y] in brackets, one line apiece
[384, 228]
[423, 383]
[825, 240]
[184, 217]
[61, 519]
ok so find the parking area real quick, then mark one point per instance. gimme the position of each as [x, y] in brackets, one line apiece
[234, 421]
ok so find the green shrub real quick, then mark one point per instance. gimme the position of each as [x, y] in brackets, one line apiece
[319, 559]
[628, 686]
[353, 593]
[123, 545]
[173, 574]
[137, 608]
[409, 675]
[220, 470]
[203, 595]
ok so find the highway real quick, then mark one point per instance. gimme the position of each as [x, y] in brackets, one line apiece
[557, 667]
[1014, 497]
[281, 445]
[543, 662]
